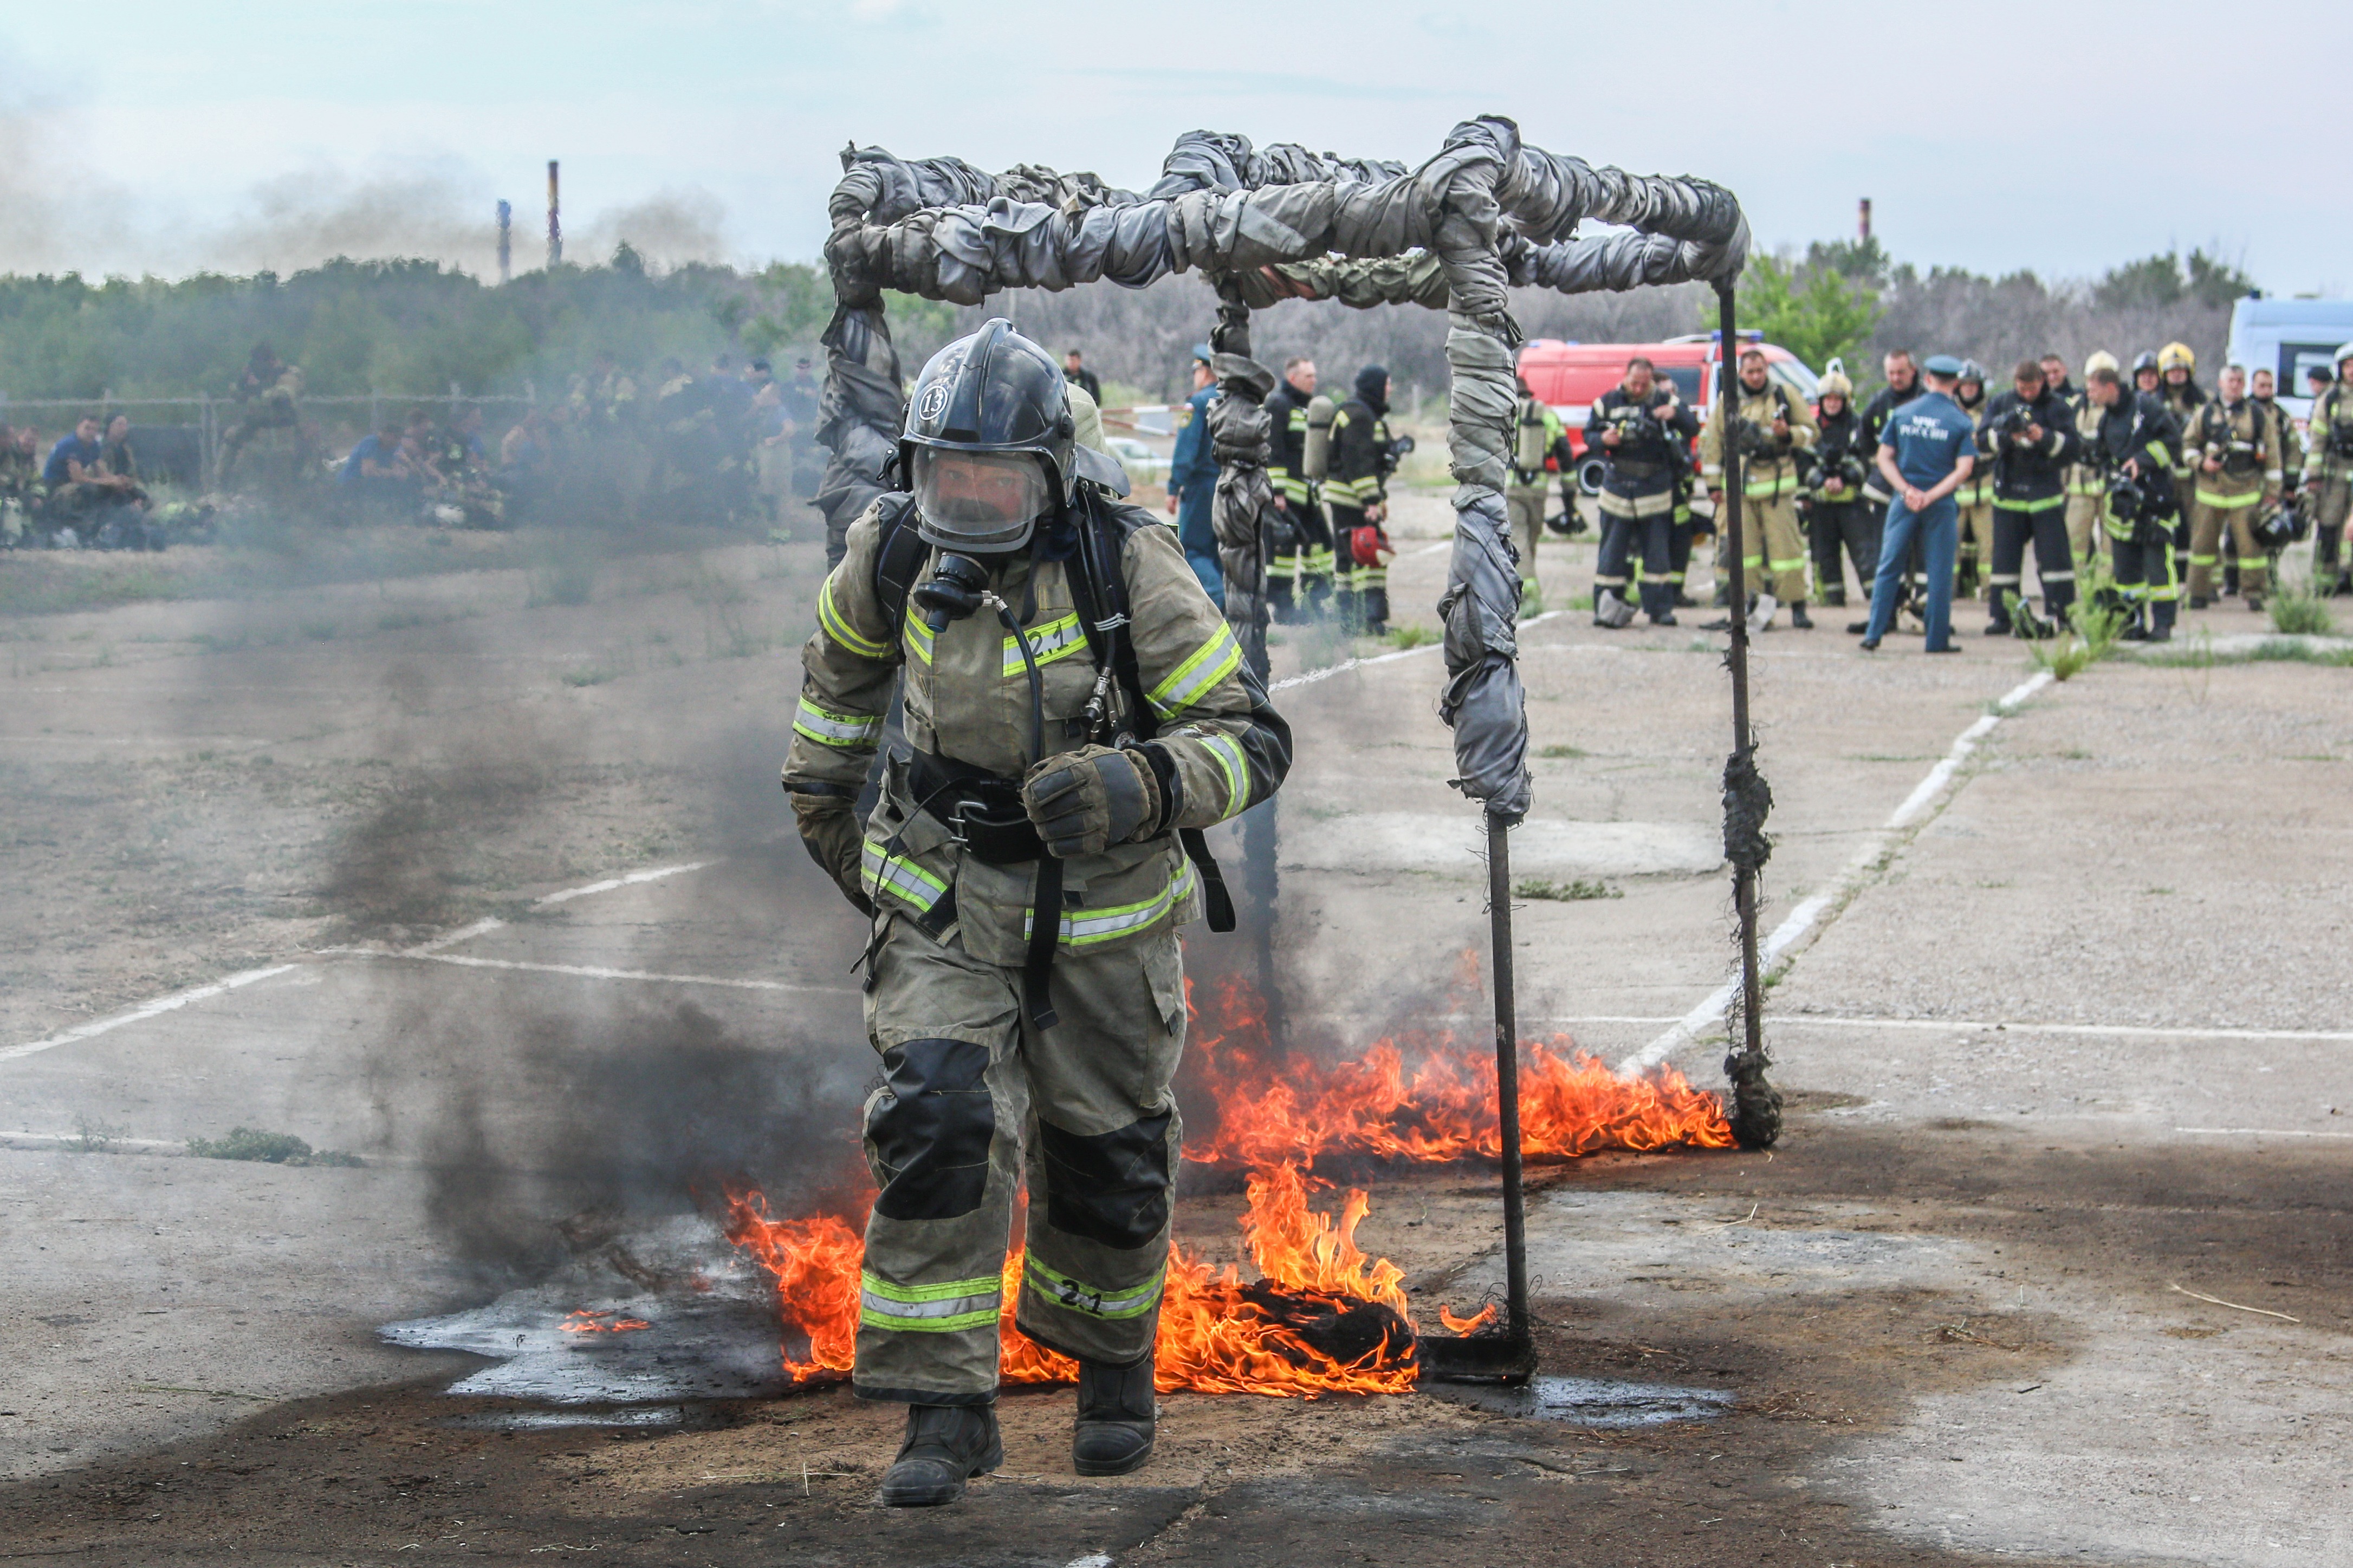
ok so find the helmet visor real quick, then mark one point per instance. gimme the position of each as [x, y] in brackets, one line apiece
[979, 498]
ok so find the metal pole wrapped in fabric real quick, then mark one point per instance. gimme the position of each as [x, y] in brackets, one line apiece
[1756, 1103]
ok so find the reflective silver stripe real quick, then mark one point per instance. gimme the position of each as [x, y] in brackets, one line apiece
[1064, 1291]
[1202, 669]
[824, 725]
[930, 1309]
[1228, 755]
[900, 878]
[1083, 928]
[1056, 639]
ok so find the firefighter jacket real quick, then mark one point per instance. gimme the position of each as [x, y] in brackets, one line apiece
[1361, 458]
[2329, 437]
[2033, 477]
[2084, 478]
[1537, 438]
[2290, 442]
[1217, 746]
[2137, 427]
[1875, 415]
[2182, 402]
[1655, 448]
[2244, 439]
[1286, 428]
[1773, 469]
[1839, 451]
[1977, 489]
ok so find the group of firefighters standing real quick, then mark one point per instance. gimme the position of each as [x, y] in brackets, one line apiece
[2187, 494]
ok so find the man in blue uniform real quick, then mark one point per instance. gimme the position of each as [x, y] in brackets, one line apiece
[1925, 452]
[1193, 480]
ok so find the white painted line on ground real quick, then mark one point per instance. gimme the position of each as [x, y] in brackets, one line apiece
[1329, 670]
[1802, 921]
[93, 1144]
[428, 949]
[631, 881]
[594, 971]
[2118, 1031]
[145, 1010]
[2260, 1132]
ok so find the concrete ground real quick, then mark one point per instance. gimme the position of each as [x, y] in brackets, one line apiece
[2052, 1264]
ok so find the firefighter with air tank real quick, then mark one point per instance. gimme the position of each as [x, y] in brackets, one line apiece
[2085, 485]
[1298, 577]
[1539, 450]
[1841, 527]
[1362, 457]
[1076, 711]
[2030, 434]
[2328, 478]
[2131, 451]
[2231, 450]
[1974, 562]
[1771, 431]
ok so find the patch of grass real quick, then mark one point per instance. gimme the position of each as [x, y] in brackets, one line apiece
[594, 675]
[268, 1147]
[2300, 611]
[1576, 891]
[1414, 637]
[1562, 750]
[2271, 650]
[1532, 601]
[92, 1136]
[2090, 635]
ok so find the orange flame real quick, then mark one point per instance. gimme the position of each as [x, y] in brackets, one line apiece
[1323, 1317]
[587, 1322]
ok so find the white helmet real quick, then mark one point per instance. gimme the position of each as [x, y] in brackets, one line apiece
[2344, 352]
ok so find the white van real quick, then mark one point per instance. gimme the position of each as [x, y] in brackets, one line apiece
[2288, 337]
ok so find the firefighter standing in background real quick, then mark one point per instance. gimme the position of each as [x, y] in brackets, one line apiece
[1642, 433]
[1772, 432]
[2233, 456]
[1298, 579]
[2086, 486]
[267, 394]
[1538, 445]
[1975, 497]
[1839, 524]
[2263, 387]
[1362, 457]
[2029, 435]
[1023, 867]
[2177, 382]
[2328, 478]
[2134, 438]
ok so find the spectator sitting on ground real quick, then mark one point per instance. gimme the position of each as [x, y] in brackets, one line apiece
[379, 465]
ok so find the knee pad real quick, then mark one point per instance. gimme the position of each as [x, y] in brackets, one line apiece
[929, 1128]
[1111, 1187]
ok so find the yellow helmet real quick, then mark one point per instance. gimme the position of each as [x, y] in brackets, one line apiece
[2177, 353]
[2101, 359]
[1835, 381]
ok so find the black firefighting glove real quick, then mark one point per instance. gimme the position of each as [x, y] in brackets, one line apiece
[1082, 801]
[829, 825]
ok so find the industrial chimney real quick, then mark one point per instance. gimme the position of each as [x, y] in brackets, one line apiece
[555, 220]
[506, 239]
[1862, 222]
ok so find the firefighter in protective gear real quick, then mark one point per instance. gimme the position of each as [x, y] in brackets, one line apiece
[1643, 434]
[2328, 478]
[2145, 376]
[1363, 458]
[1298, 579]
[2137, 442]
[1839, 524]
[2231, 450]
[1539, 444]
[2177, 382]
[1771, 431]
[2030, 434]
[1975, 497]
[1075, 707]
[2263, 387]
[2085, 487]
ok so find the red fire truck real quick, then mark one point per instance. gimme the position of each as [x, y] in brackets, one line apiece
[1570, 376]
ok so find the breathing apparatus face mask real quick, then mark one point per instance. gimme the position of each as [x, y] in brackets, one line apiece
[980, 501]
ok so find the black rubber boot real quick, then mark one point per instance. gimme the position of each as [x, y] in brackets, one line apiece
[945, 1446]
[1798, 616]
[1116, 1411]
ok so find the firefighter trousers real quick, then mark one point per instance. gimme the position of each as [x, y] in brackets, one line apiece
[2054, 564]
[2083, 527]
[2331, 506]
[2144, 577]
[1621, 538]
[1526, 507]
[1773, 548]
[971, 1092]
[1975, 559]
[2207, 525]
[1844, 533]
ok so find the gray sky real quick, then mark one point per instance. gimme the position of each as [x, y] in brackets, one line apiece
[165, 136]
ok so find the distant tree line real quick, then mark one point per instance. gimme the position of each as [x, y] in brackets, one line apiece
[412, 328]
